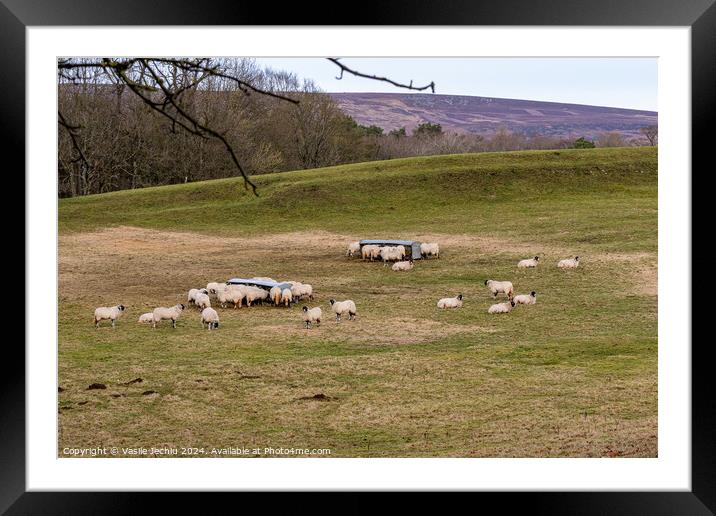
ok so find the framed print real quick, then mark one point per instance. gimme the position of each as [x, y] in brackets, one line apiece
[434, 249]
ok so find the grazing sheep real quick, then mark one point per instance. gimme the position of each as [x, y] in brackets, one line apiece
[392, 253]
[254, 294]
[214, 287]
[191, 297]
[570, 263]
[202, 300]
[312, 315]
[210, 318]
[497, 287]
[353, 249]
[427, 249]
[370, 252]
[172, 313]
[451, 302]
[275, 295]
[530, 262]
[111, 313]
[302, 291]
[526, 299]
[342, 307]
[403, 266]
[501, 308]
[146, 318]
[286, 297]
[234, 294]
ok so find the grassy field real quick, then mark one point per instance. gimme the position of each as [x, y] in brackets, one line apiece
[574, 375]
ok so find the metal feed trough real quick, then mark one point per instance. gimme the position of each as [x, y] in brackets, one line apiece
[266, 285]
[414, 246]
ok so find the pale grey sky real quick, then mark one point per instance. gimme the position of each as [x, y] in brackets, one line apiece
[624, 82]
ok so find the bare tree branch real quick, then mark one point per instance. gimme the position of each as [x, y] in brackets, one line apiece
[344, 68]
[72, 131]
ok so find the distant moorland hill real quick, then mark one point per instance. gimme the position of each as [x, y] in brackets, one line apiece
[485, 115]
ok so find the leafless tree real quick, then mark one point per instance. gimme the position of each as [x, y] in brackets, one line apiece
[168, 87]
[651, 133]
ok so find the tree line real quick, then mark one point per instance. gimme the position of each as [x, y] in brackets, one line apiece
[110, 137]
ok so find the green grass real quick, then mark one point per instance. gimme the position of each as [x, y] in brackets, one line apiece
[574, 375]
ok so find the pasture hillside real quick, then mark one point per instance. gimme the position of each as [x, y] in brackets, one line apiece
[573, 375]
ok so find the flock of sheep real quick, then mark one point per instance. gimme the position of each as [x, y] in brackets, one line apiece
[228, 294]
[236, 295]
[506, 287]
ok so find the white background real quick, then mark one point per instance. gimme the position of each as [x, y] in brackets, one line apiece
[671, 470]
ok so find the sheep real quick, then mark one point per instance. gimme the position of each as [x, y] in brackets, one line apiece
[275, 295]
[173, 313]
[530, 262]
[286, 297]
[107, 312]
[370, 252]
[312, 315]
[146, 318]
[233, 294]
[214, 287]
[202, 300]
[497, 287]
[353, 249]
[502, 308]
[392, 253]
[341, 307]
[570, 263]
[451, 302]
[210, 318]
[526, 299]
[427, 249]
[191, 297]
[255, 294]
[403, 266]
[302, 291]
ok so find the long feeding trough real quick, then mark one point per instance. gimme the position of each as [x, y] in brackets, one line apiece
[414, 246]
[266, 285]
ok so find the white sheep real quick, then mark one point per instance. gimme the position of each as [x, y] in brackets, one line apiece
[275, 295]
[497, 287]
[191, 296]
[526, 299]
[392, 253]
[210, 318]
[104, 313]
[312, 315]
[451, 302]
[570, 263]
[342, 307]
[403, 266]
[254, 294]
[173, 313]
[353, 249]
[214, 287]
[370, 252]
[146, 318]
[427, 249]
[234, 294]
[501, 308]
[530, 262]
[286, 297]
[302, 291]
[202, 300]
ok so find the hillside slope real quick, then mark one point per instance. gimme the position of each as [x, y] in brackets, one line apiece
[485, 115]
[455, 194]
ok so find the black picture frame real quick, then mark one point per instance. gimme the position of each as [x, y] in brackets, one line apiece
[700, 15]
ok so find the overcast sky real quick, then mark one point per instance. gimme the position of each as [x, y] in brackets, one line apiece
[623, 82]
